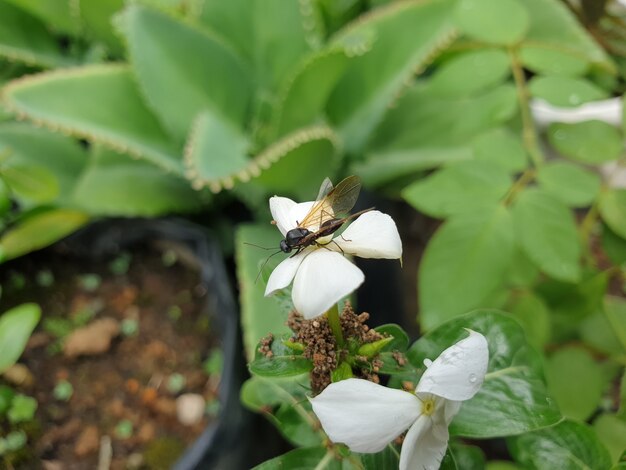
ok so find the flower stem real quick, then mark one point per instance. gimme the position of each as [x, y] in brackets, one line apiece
[335, 324]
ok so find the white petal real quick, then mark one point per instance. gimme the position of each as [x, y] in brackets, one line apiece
[422, 447]
[609, 111]
[284, 273]
[459, 371]
[363, 415]
[299, 212]
[372, 235]
[451, 409]
[281, 208]
[324, 278]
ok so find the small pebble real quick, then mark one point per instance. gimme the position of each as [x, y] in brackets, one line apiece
[87, 442]
[19, 374]
[190, 408]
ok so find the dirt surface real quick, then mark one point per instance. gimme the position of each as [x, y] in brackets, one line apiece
[130, 336]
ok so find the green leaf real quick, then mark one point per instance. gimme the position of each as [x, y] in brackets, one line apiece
[568, 445]
[232, 20]
[39, 231]
[97, 18]
[56, 14]
[565, 91]
[513, 398]
[613, 210]
[547, 232]
[116, 185]
[5, 198]
[464, 263]
[100, 103]
[500, 147]
[62, 156]
[31, 182]
[501, 465]
[259, 315]
[571, 184]
[459, 188]
[573, 368]
[605, 330]
[400, 338]
[612, 433]
[386, 459]
[470, 73]
[16, 326]
[503, 22]
[284, 401]
[357, 105]
[534, 316]
[303, 459]
[215, 152]
[467, 457]
[22, 409]
[281, 363]
[613, 245]
[591, 142]
[26, 39]
[183, 70]
[552, 61]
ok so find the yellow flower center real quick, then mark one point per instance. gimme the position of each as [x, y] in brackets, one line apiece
[428, 406]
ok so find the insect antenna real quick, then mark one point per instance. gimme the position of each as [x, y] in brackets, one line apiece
[258, 246]
[264, 264]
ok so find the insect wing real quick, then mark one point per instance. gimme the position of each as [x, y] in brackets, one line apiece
[340, 200]
[325, 188]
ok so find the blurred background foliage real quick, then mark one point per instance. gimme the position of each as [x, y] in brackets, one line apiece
[153, 107]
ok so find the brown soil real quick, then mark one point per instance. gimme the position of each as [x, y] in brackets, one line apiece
[123, 392]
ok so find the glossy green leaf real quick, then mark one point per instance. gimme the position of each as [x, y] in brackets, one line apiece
[464, 263]
[60, 155]
[470, 73]
[568, 445]
[284, 401]
[16, 326]
[31, 182]
[613, 245]
[501, 465]
[565, 91]
[463, 187]
[613, 210]
[552, 61]
[183, 70]
[611, 431]
[502, 22]
[116, 185]
[100, 103]
[259, 315]
[534, 316]
[400, 338]
[573, 368]
[357, 104]
[547, 232]
[39, 230]
[591, 142]
[303, 459]
[215, 152]
[387, 459]
[513, 398]
[571, 184]
[282, 362]
[467, 457]
[25, 38]
[500, 147]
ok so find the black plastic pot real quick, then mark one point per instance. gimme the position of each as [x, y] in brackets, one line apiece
[219, 446]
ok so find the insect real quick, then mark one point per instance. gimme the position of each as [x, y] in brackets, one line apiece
[325, 217]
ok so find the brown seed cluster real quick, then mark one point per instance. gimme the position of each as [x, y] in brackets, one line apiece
[321, 348]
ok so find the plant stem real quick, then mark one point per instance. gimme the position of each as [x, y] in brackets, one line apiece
[335, 324]
[519, 184]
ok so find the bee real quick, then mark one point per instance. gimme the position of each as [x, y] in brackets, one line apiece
[328, 214]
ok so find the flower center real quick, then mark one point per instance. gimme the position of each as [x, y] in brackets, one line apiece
[428, 406]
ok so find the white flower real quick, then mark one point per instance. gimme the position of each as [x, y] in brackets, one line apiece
[367, 417]
[321, 275]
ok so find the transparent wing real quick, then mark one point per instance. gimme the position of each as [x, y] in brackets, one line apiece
[339, 201]
[325, 188]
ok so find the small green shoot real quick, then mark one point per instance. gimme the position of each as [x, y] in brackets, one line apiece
[45, 278]
[214, 364]
[121, 264]
[124, 429]
[63, 390]
[175, 383]
[174, 313]
[130, 326]
[89, 282]
[22, 409]
[169, 258]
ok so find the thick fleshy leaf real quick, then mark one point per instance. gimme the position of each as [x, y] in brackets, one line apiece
[459, 188]
[609, 111]
[363, 415]
[183, 70]
[324, 278]
[56, 14]
[371, 235]
[284, 273]
[423, 448]
[356, 110]
[550, 448]
[459, 371]
[548, 234]
[32, 183]
[571, 184]
[232, 20]
[40, 230]
[260, 315]
[590, 142]
[281, 363]
[97, 22]
[513, 398]
[463, 264]
[613, 210]
[570, 369]
[565, 91]
[502, 22]
[16, 326]
[283, 400]
[100, 103]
